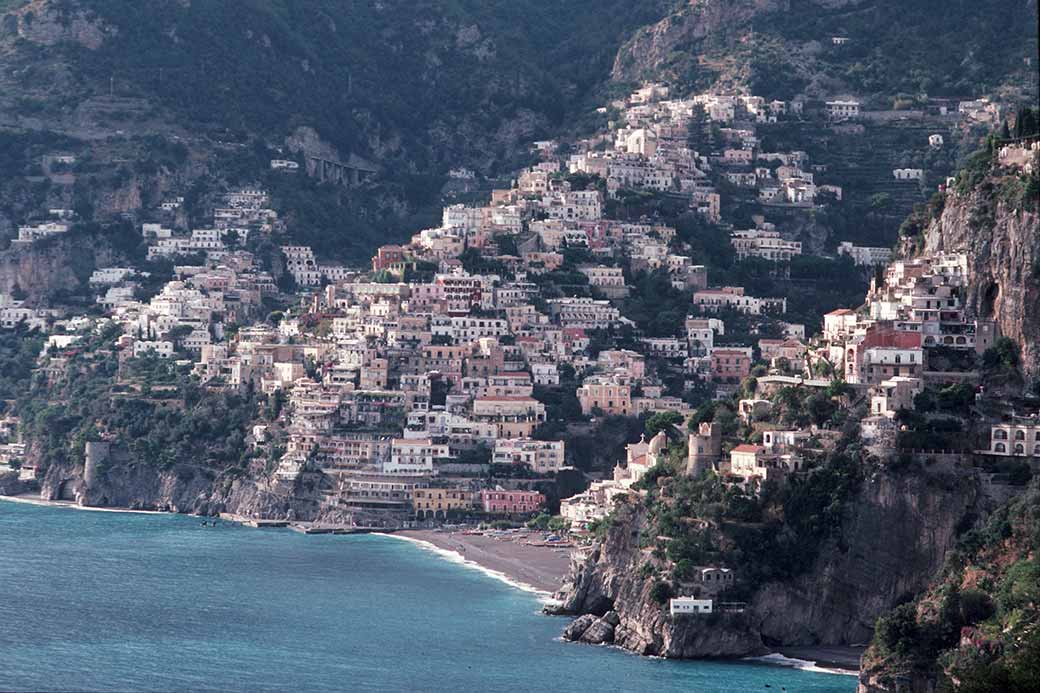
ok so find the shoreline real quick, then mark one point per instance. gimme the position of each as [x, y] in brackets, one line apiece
[506, 557]
[538, 570]
[840, 660]
[27, 499]
[459, 559]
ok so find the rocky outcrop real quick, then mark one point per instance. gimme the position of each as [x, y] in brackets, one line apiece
[593, 630]
[892, 542]
[11, 485]
[1002, 242]
[987, 648]
[55, 265]
[198, 490]
[670, 48]
[890, 546]
[47, 23]
[652, 48]
[615, 605]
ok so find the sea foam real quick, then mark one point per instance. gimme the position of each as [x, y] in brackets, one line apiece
[459, 559]
[778, 659]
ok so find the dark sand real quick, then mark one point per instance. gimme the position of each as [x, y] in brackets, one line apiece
[833, 657]
[540, 567]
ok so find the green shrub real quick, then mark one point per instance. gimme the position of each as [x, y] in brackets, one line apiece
[661, 591]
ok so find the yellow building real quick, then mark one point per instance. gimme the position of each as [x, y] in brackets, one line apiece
[439, 502]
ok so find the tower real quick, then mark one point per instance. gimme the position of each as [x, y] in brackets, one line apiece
[704, 449]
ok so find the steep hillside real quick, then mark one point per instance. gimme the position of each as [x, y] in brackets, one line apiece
[820, 559]
[886, 536]
[427, 84]
[995, 222]
[781, 47]
[172, 97]
[991, 214]
[977, 628]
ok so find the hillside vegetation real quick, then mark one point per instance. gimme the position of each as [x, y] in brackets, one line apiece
[957, 49]
[978, 624]
[440, 83]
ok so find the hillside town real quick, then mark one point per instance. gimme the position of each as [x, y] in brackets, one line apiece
[443, 383]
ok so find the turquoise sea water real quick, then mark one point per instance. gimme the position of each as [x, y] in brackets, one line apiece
[94, 601]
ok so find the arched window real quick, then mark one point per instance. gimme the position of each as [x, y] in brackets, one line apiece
[1000, 434]
[1036, 449]
[1020, 449]
[1020, 435]
[999, 447]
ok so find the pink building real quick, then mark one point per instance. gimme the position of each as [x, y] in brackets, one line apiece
[501, 502]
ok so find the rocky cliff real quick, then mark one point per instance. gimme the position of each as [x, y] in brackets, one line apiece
[194, 489]
[892, 541]
[1001, 237]
[977, 626]
[54, 267]
[615, 604]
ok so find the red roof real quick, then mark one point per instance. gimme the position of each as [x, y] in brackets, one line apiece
[749, 448]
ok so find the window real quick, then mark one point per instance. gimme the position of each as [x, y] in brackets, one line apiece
[999, 447]
[1020, 435]
[1000, 434]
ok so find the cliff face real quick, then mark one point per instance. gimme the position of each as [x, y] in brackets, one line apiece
[1002, 242]
[976, 626]
[889, 547]
[607, 583]
[892, 542]
[192, 489]
[59, 264]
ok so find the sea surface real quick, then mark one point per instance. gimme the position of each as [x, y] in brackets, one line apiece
[94, 601]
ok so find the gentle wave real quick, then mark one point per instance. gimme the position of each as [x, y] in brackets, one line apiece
[459, 559]
[778, 659]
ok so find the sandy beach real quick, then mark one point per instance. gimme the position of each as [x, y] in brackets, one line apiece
[834, 657]
[540, 567]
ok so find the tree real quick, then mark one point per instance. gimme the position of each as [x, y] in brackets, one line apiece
[897, 631]
[661, 592]
[1003, 354]
[662, 421]
[1026, 122]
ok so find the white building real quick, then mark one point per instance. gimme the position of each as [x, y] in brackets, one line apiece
[685, 606]
[843, 110]
[542, 456]
[415, 457]
[865, 255]
[162, 349]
